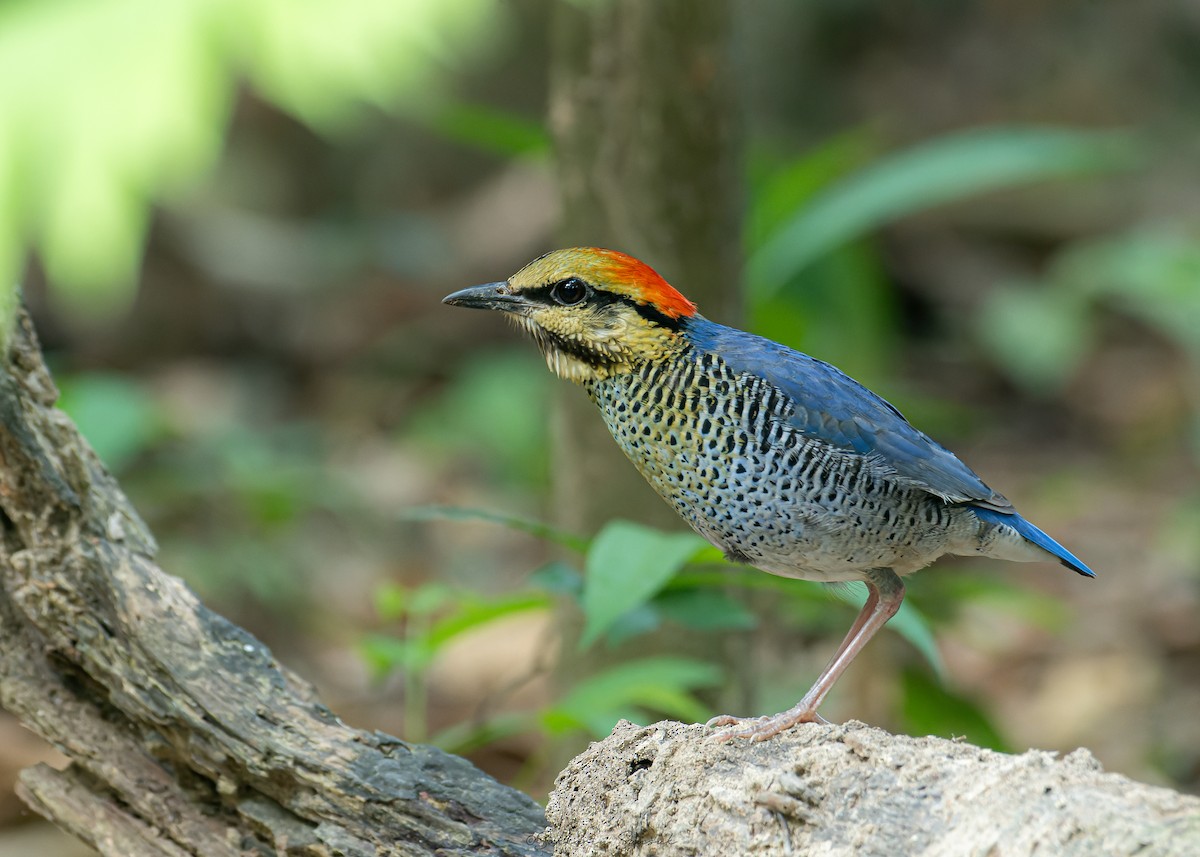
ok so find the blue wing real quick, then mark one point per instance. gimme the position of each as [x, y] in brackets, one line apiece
[833, 407]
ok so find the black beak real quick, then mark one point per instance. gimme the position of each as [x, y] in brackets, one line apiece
[488, 296]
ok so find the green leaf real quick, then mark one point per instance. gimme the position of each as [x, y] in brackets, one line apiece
[704, 610]
[625, 566]
[1148, 273]
[429, 598]
[384, 654]
[473, 613]
[662, 684]
[533, 528]
[780, 191]
[908, 622]
[558, 578]
[928, 708]
[496, 131]
[391, 601]
[934, 173]
[633, 623]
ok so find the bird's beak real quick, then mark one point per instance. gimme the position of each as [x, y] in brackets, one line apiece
[488, 296]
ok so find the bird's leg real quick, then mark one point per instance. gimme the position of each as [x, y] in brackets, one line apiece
[885, 592]
[861, 619]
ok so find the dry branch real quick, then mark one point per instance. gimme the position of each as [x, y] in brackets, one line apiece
[184, 735]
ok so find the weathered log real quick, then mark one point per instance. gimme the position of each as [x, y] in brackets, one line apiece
[184, 735]
[669, 790]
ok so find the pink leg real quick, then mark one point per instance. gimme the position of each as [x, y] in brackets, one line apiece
[885, 592]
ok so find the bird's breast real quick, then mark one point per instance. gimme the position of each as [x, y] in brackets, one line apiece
[719, 447]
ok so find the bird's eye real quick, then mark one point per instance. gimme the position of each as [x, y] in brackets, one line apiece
[570, 291]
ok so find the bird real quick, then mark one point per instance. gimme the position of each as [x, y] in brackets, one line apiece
[780, 460]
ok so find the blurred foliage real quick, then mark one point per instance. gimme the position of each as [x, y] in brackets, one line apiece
[432, 616]
[1150, 275]
[495, 414]
[110, 105]
[634, 580]
[116, 414]
[812, 280]
[949, 168]
[1041, 331]
[928, 708]
[497, 131]
[626, 566]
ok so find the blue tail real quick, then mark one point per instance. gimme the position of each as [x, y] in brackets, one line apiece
[1033, 534]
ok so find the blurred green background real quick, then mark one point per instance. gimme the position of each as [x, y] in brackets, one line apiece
[234, 221]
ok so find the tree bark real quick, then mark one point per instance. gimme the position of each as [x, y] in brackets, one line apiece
[644, 120]
[186, 738]
[184, 735]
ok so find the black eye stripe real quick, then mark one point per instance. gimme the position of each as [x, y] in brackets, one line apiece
[598, 298]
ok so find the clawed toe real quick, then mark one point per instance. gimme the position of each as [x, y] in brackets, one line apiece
[723, 720]
[761, 728]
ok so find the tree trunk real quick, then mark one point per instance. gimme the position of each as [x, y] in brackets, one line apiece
[645, 124]
[184, 735]
[643, 117]
[186, 738]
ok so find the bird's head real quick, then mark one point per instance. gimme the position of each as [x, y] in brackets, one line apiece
[592, 312]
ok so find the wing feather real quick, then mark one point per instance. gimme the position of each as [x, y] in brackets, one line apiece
[833, 407]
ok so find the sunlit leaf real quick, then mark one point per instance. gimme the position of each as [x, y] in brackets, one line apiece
[111, 105]
[626, 565]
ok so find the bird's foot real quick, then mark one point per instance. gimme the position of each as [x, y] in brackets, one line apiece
[761, 728]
